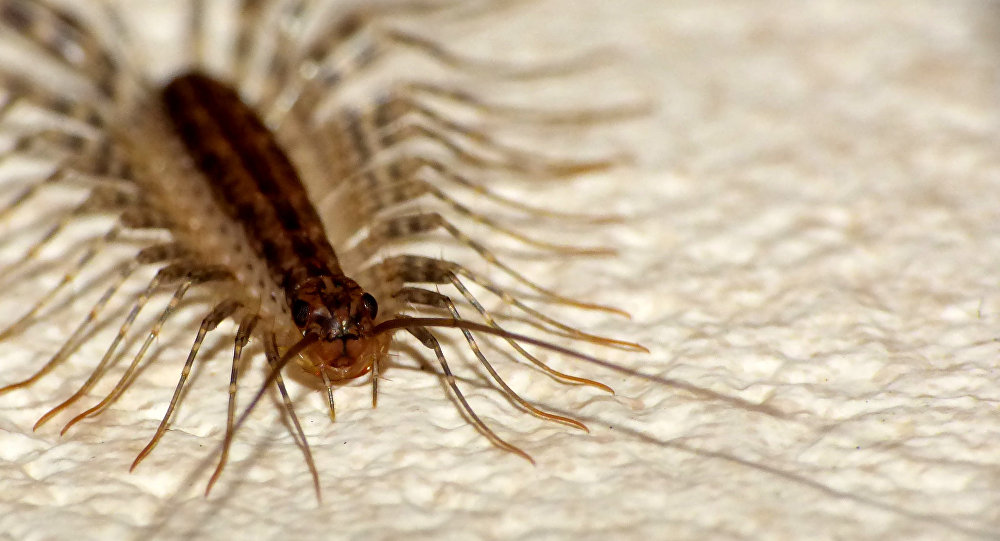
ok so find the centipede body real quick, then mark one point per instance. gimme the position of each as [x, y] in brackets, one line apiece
[148, 156]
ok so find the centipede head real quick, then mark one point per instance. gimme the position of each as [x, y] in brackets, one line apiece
[341, 316]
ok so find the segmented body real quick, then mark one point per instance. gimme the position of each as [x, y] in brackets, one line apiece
[247, 228]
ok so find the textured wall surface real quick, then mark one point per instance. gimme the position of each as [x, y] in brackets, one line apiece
[812, 257]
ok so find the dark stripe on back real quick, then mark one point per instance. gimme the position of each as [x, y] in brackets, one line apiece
[251, 177]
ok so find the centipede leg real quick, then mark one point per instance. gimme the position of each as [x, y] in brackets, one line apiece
[243, 334]
[101, 199]
[271, 352]
[429, 341]
[63, 38]
[401, 226]
[397, 108]
[30, 191]
[415, 269]
[411, 164]
[66, 279]
[317, 73]
[431, 298]
[385, 133]
[579, 117]
[22, 91]
[400, 185]
[126, 378]
[197, 30]
[490, 69]
[249, 13]
[73, 341]
[164, 276]
[200, 276]
[218, 314]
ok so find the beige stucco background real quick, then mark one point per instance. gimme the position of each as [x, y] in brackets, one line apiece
[812, 257]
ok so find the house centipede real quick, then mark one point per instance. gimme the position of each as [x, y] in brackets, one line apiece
[238, 209]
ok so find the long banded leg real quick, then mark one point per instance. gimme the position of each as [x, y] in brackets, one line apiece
[151, 254]
[381, 134]
[31, 190]
[273, 359]
[272, 376]
[371, 43]
[396, 187]
[413, 268]
[147, 256]
[194, 278]
[166, 275]
[416, 269]
[429, 341]
[63, 38]
[126, 379]
[22, 91]
[218, 314]
[70, 344]
[411, 164]
[283, 29]
[90, 160]
[534, 116]
[432, 298]
[569, 331]
[401, 186]
[103, 199]
[197, 28]
[66, 279]
[248, 28]
[243, 334]
[44, 142]
[488, 317]
[404, 226]
[396, 107]
[324, 64]
[101, 162]
[492, 68]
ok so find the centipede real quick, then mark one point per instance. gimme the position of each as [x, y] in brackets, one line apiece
[254, 186]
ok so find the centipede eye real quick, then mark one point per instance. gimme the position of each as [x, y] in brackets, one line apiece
[300, 312]
[370, 305]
